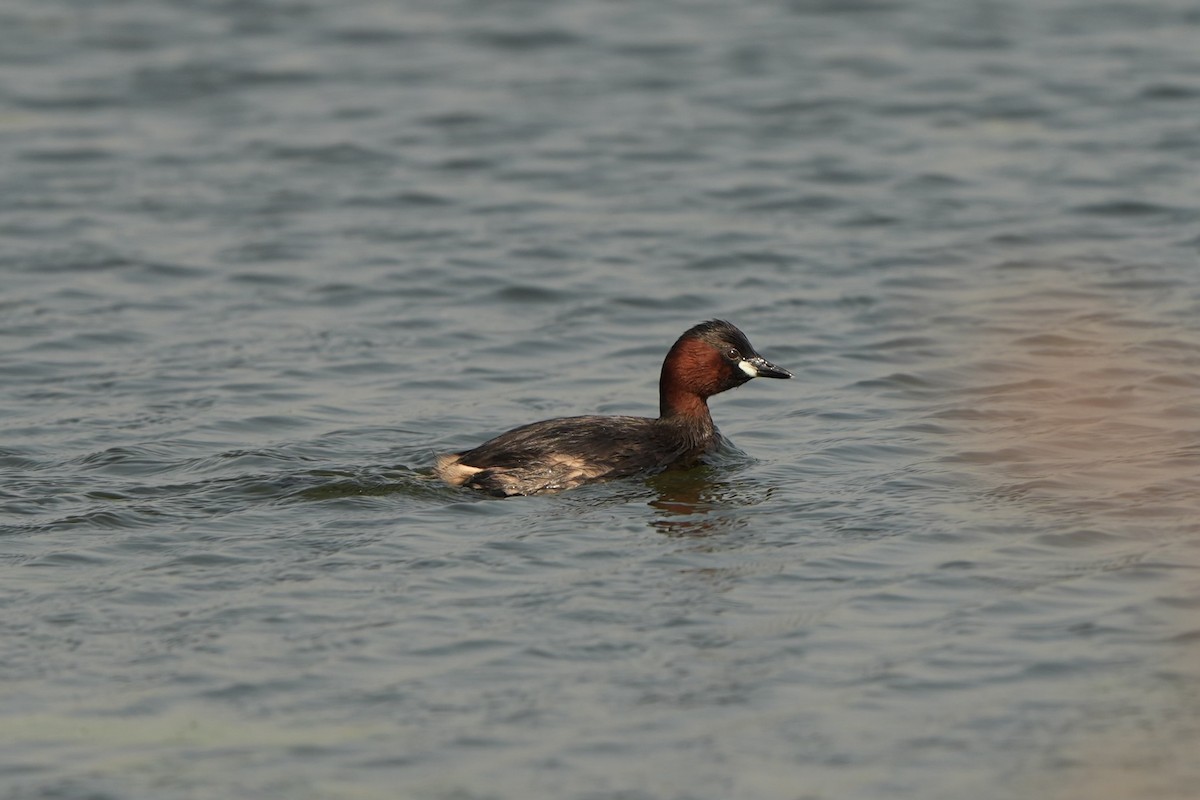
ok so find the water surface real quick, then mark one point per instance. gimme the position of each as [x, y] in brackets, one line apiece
[261, 261]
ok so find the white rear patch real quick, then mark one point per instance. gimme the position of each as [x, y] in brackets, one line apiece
[748, 368]
[452, 472]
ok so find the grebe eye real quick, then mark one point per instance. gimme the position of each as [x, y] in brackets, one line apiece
[733, 354]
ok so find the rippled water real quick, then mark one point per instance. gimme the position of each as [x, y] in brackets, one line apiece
[263, 259]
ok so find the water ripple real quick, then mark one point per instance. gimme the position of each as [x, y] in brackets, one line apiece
[264, 260]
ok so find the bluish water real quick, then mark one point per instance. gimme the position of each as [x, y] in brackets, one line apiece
[262, 260]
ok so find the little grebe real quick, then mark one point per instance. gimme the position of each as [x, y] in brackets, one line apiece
[562, 453]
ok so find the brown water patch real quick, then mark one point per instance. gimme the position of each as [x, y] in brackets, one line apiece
[1079, 412]
[1093, 406]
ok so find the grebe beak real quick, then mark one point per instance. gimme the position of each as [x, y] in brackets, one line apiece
[759, 367]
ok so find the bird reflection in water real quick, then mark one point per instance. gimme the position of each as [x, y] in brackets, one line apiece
[694, 503]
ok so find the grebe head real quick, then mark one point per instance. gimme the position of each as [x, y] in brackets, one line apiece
[707, 359]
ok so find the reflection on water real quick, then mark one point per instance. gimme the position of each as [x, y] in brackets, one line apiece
[702, 502]
[1082, 417]
[1083, 408]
